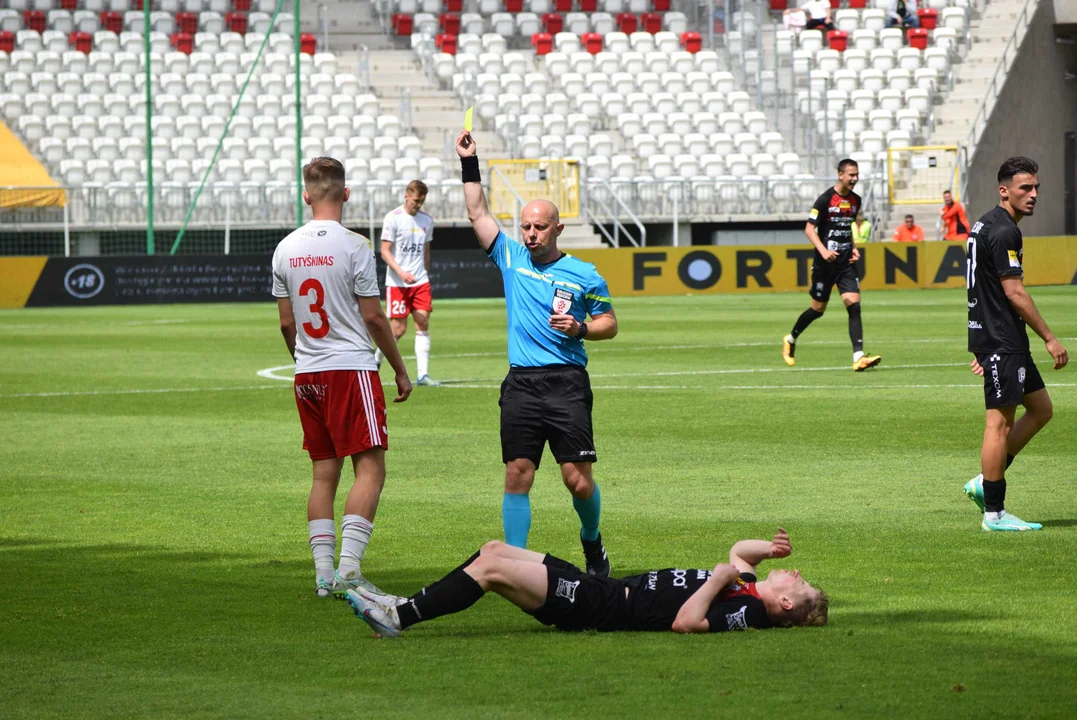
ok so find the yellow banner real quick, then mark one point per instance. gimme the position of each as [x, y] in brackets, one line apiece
[714, 269]
[18, 276]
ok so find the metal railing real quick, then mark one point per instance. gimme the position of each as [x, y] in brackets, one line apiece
[517, 204]
[595, 202]
[994, 88]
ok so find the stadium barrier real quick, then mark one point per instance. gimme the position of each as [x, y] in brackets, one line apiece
[118, 280]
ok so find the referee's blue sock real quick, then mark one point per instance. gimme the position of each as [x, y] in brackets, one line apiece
[516, 518]
[589, 511]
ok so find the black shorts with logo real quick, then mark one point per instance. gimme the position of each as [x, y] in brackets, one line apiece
[547, 404]
[577, 601]
[1008, 378]
[824, 276]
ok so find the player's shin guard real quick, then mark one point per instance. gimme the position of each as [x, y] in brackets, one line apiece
[806, 318]
[589, 511]
[323, 546]
[856, 327]
[455, 592]
[516, 518]
[422, 352]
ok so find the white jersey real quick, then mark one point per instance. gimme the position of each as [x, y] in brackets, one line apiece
[409, 236]
[321, 267]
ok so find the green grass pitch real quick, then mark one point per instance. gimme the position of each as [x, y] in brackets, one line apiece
[154, 559]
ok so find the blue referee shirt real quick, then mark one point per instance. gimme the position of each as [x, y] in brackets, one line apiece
[534, 292]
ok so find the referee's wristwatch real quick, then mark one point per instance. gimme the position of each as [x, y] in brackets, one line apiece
[582, 332]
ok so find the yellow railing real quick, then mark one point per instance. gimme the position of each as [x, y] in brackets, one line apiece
[555, 180]
[920, 175]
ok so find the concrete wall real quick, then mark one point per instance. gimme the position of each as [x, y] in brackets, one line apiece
[1037, 106]
[1066, 11]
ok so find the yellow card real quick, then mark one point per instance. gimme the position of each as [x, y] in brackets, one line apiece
[467, 118]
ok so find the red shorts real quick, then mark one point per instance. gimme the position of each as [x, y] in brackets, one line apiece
[342, 412]
[402, 300]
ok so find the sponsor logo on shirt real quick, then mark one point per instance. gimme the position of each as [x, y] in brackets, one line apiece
[973, 303]
[973, 325]
[567, 589]
[737, 620]
[813, 214]
[1014, 260]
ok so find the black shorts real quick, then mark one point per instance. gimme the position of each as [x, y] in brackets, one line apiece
[826, 275]
[547, 404]
[577, 601]
[1008, 378]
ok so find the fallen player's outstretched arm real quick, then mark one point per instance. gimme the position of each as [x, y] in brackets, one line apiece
[692, 617]
[746, 554]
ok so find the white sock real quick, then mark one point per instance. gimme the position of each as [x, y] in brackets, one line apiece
[323, 546]
[857, 355]
[354, 535]
[993, 516]
[422, 351]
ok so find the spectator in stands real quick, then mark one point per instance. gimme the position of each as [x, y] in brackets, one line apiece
[953, 214]
[909, 232]
[861, 230]
[818, 15]
[794, 19]
[902, 12]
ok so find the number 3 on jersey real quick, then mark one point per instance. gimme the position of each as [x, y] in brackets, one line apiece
[316, 308]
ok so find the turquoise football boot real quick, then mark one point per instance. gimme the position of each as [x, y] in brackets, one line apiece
[1008, 523]
[974, 488]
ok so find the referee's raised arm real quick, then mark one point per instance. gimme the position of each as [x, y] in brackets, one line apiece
[478, 212]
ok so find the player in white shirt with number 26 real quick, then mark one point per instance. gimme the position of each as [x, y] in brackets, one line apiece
[326, 285]
[405, 248]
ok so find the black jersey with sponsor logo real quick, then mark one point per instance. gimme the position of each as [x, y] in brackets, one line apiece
[993, 251]
[655, 598]
[833, 216]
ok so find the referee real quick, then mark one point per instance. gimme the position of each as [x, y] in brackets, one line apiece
[830, 229]
[547, 394]
[999, 307]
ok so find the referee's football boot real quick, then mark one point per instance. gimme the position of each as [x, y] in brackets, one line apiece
[866, 361]
[594, 552]
[342, 585]
[382, 619]
[974, 488]
[1004, 522]
[789, 347]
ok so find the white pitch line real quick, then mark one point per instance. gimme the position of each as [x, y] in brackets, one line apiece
[157, 391]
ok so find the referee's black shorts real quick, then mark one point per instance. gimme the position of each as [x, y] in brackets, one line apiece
[547, 404]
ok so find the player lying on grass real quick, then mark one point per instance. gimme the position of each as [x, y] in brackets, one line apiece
[558, 593]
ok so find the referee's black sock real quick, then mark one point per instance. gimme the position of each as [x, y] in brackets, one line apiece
[1009, 460]
[806, 318]
[994, 495]
[856, 327]
[455, 592]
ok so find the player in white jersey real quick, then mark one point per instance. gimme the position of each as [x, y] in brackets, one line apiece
[326, 285]
[405, 248]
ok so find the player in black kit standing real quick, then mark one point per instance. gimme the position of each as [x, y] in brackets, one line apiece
[830, 229]
[999, 308]
[557, 593]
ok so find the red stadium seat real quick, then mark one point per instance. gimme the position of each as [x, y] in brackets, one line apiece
[69, 4]
[929, 18]
[114, 21]
[692, 42]
[592, 42]
[513, 6]
[183, 42]
[553, 23]
[450, 24]
[835, 4]
[543, 43]
[453, 6]
[236, 22]
[778, 5]
[651, 22]
[660, 5]
[837, 40]
[446, 43]
[627, 23]
[563, 6]
[588, 5]
[308, 45]
[81, 41]
[7, 41]
[858, 4]
[402, 24]
[241, 5]
[918, 38]
[34, 20]
[187, 23]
